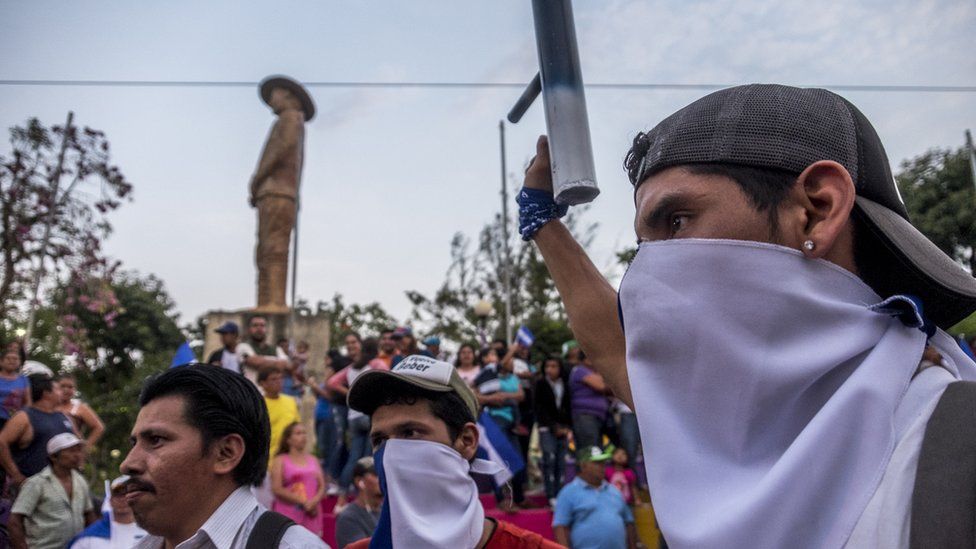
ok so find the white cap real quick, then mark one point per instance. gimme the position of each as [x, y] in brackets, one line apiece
[119, 482]
[61, 441]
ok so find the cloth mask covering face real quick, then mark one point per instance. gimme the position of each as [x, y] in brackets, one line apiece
[765, 386]
[429, 498]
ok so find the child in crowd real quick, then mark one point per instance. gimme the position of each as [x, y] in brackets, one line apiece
[297, 480]
[622, 476]
[298, 361]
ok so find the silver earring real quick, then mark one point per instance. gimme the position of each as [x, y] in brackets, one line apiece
[809, 245]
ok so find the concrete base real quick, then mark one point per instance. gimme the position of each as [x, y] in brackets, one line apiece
[311, 328]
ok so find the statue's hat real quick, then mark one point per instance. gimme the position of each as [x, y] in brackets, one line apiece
[280, 81]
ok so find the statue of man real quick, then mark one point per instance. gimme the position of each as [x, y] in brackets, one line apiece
[274, 187]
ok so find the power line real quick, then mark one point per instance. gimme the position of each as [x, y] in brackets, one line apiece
[887, 88]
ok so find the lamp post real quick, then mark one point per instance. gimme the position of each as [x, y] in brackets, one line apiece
[483, 309]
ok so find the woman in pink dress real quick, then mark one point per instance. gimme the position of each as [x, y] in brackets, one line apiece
[297, 480]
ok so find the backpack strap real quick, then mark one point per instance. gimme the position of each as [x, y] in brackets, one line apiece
[268, 530]
[944, 500]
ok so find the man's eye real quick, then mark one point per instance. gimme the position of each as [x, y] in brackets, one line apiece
[410, 433]
[678, 222]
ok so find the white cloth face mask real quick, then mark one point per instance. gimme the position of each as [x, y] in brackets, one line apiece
[764, 386]
[430, 498]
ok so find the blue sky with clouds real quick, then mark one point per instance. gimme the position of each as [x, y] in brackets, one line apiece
[392, 174]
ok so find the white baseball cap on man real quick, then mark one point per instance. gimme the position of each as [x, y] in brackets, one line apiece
[60, 442]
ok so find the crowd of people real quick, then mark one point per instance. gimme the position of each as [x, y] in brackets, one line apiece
[547, 409]
[829, 407]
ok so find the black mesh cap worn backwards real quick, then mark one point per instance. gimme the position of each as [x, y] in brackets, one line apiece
[786, 128]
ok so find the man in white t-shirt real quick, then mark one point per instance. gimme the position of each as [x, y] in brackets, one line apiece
[256, 353]
[117, 529]
[227, 356]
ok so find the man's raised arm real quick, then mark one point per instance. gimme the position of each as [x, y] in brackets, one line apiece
[590, 301]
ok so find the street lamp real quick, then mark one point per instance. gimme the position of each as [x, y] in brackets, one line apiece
[483, 309]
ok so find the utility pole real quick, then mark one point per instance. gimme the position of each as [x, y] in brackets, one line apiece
[51, 212]
[972, 155]
[507, 270]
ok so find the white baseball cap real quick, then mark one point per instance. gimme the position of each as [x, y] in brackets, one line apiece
[60, 442]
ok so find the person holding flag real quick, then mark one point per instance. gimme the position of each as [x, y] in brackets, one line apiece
[425, 440]
[117, 529]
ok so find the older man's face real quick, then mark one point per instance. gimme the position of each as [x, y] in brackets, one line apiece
[676, 203]
[170, 471]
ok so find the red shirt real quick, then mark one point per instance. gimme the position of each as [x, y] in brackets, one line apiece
[505, 536]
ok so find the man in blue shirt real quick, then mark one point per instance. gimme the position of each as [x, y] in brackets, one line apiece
[590, 512]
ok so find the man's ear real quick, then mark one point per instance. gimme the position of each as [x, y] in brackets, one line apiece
[825, 194]
[227, 453]
[467, 442]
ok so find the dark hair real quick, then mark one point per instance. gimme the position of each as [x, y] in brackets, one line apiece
[558, 359]
[40, 384]
[65, 375]
[356, 335]
[447, 407]
[387, 331]
[483, 354]
[371, 350]
[219, 402]
[285, 435]
[266, 372]
[457, 360]
[257, 316]
[503, 350]
[765, 187]
[281, 340]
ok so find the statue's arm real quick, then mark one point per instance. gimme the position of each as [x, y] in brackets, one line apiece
[286, 134]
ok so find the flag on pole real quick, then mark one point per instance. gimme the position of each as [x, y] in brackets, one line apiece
[498, 449]
[524, 336]
[184, 355]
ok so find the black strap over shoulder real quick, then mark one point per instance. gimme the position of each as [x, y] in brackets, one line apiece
[268, 530]
[944, 500]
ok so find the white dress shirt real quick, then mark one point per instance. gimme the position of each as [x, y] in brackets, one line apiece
[230, 526]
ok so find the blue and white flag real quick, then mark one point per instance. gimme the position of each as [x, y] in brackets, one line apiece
[498, 449]
[524, 336]
[184, 355]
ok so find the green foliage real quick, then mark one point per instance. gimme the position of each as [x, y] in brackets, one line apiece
[368, 320]
[477, 273]
[120, 353]
[938, 190]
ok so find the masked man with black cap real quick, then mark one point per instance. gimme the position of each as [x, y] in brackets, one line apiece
[425, 437]
[769, 330]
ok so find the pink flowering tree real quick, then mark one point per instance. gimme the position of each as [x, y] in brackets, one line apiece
[70, 205]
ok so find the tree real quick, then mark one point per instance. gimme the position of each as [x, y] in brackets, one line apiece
[367, 320]
[110, 354]
[938, 191]
[476, 274]
[65, 201]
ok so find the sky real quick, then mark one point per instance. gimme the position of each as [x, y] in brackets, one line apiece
[391, 175]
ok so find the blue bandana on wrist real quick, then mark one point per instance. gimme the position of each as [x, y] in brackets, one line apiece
[536, 208]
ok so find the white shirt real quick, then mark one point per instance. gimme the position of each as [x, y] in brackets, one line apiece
[229, 360]
[124, 536]
[230, 526]
[245, 350]
[885, 520]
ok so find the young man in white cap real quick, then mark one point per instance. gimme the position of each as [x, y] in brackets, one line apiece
[425, 438]
[117, 529]
[769, 330]
[53, 505]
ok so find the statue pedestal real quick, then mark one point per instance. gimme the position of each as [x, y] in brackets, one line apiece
[307, 327]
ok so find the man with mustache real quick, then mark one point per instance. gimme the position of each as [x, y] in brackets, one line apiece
[200, 443]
